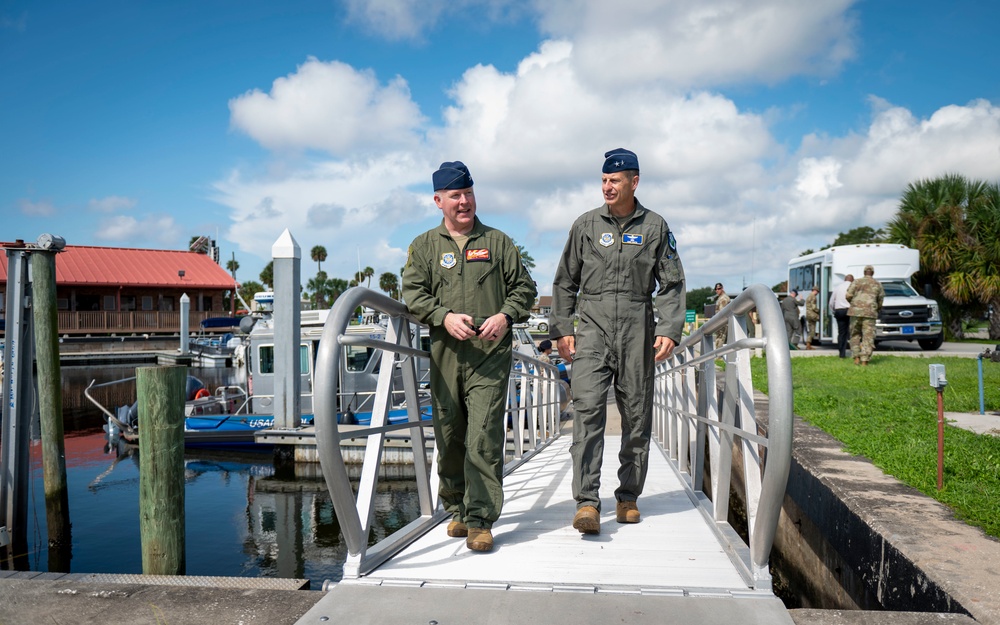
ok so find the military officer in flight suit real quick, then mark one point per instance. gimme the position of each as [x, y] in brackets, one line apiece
[466, 281]
[616, 258]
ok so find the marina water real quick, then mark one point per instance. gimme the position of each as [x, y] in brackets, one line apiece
[243, 518]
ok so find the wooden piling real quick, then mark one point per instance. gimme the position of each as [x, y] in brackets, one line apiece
[46, 326]
[160, 393]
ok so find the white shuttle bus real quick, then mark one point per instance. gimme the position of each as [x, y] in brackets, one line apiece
[906, 315]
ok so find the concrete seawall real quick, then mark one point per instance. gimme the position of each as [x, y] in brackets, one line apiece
[853, 538]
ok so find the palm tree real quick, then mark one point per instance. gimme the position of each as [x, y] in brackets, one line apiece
[318, 254]
[526, 259]
[319, 287]
[953, 222]
[232, 266]
[335, 286]
[368, 273]
[389, 283]
[267, 275]
[248, 289]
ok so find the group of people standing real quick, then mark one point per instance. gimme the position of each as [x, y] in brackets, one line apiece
[854, 304]
[466, 281]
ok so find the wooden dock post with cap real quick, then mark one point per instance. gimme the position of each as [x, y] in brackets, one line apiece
[43, 267]
[160, 392]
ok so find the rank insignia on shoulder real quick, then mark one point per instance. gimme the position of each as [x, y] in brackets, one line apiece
[607, 239]
[632, 239]
[671, 241]
[477, 256]
[448, 260]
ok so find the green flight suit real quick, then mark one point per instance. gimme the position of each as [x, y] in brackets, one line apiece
[607, 276]
[468, 378]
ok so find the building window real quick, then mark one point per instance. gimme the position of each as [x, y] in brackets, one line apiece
[62, 303]
[109, 302]
[147, 302]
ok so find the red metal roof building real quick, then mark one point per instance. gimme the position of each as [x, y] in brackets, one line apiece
[112, 281]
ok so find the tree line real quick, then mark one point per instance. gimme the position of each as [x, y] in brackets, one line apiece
[322, 290]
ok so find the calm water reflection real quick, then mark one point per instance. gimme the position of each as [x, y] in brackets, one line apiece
[242, 519]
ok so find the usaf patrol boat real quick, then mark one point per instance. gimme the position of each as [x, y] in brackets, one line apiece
[230, 415]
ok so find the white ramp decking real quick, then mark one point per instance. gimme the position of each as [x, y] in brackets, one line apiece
[670, 567]
[672, 548]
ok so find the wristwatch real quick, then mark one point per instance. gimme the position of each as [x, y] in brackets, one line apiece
[510, 320]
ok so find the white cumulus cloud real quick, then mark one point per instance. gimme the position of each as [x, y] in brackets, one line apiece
[329, 106]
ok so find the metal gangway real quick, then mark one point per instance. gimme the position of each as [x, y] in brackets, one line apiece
[684, 562]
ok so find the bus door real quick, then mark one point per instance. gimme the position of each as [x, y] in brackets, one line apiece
[827, 323]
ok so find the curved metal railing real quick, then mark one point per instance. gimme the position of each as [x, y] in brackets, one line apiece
[693, 411]
[532, 411]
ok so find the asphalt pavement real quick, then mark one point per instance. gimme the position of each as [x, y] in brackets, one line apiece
[904, 348]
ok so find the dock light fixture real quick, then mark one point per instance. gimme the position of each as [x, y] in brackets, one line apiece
[51, 242]
[937, 379]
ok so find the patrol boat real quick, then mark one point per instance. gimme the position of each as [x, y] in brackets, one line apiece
[231, 415]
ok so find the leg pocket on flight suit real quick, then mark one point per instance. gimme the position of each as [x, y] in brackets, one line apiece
[489, 430]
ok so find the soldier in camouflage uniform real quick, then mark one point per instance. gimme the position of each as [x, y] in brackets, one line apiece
[467, 282]
[865, 295]
[721, 301]
[617, 258]
[812, 317]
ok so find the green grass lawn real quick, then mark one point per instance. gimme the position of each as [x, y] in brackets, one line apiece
[887, 412]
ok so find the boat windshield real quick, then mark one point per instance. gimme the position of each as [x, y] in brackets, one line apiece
[266, 359]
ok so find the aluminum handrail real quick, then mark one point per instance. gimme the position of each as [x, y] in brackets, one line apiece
[692, 411]
[532, 407]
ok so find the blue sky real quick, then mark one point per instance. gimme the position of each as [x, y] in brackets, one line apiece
[763, 128]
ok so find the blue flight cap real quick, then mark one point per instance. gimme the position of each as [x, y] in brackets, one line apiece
[452, 175]
[620, 159]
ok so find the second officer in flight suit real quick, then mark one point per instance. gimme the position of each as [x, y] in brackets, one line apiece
[616, 258]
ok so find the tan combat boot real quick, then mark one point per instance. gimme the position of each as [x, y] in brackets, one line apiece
[627, 512]
[457, 529]
[480, 539]
[587, 520]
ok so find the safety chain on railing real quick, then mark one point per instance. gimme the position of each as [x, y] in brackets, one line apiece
[532, 407]
[688, 418]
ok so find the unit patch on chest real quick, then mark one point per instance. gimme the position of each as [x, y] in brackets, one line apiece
[607, 239]
[632, 239]
[448, 260]
[477, 256]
